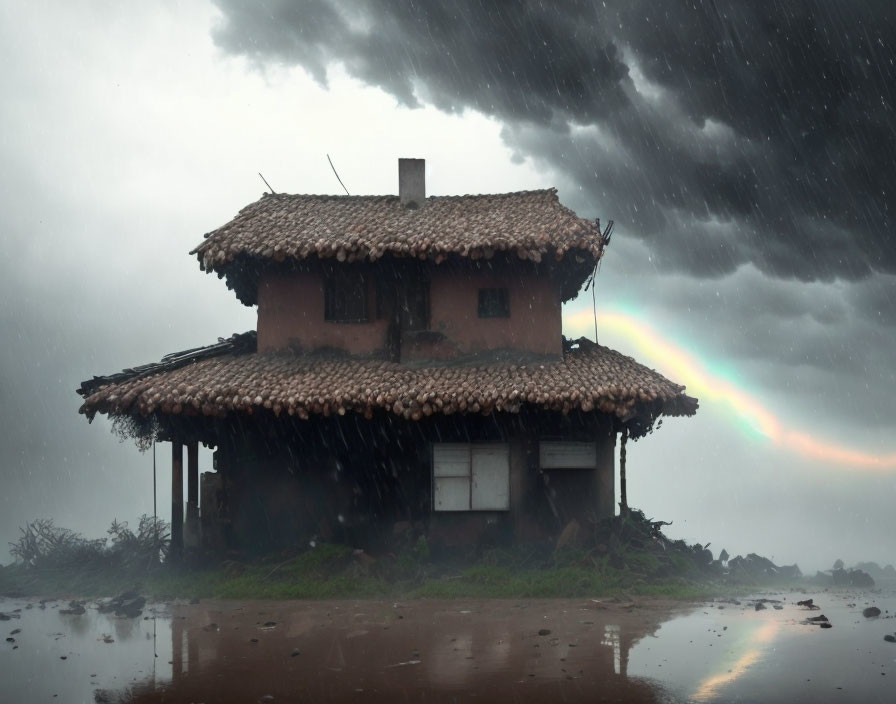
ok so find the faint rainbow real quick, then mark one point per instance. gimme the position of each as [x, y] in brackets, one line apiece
[760, 640]
[712, 387]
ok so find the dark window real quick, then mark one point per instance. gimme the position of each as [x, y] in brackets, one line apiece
[345, 297]
[494, 303]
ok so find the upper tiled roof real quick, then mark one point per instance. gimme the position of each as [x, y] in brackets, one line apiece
[234, 380]
[531, 224]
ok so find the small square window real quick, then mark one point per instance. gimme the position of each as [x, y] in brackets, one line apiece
[494, 303]
[345, 297]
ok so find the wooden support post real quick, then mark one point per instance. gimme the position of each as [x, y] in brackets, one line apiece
[623, 497]
[191, 532]
[177, 500]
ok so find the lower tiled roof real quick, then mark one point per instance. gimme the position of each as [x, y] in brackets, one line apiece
[232, 380]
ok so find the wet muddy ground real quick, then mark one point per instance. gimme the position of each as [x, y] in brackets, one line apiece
[517, 651]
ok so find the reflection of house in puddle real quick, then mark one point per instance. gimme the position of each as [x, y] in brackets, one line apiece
[428, 650]
[613, 640]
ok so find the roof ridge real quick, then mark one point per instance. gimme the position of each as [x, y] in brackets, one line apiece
[374, 196]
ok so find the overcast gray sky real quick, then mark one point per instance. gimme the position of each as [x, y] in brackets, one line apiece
[745, 154]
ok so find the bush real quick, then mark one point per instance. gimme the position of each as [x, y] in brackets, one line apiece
[44, 545]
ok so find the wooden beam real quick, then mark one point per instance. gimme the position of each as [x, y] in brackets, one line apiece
[191, 532]
[177, 500]
[623, 497]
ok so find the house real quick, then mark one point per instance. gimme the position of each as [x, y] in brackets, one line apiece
[408, 369]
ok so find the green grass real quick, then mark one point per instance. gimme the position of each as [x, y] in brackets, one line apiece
[332, 572]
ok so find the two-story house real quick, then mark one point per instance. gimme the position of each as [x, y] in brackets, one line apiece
[409, 369]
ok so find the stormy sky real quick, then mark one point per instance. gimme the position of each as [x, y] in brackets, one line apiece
[745, 152]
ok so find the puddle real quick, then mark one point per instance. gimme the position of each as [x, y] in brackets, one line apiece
[68, 658]
[522, 651]
[734, 653]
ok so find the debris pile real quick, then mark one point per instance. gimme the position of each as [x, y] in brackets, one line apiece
[841, 576]
[636, 543]
[128, 604]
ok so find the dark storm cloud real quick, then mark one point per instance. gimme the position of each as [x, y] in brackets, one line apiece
[721, 132]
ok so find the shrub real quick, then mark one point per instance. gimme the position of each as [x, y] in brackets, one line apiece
[44, 545]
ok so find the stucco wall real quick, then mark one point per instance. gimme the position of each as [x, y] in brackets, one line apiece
[534, 324]
[291, 315]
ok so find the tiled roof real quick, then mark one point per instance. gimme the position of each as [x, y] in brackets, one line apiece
[589, 377]
[531, 224]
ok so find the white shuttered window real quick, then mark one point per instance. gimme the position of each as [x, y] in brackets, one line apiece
[568, 455]
[470, 477]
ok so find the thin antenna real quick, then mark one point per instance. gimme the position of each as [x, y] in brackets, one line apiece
[594, 302]
[337, 176]
[605, 236]
[273, 192]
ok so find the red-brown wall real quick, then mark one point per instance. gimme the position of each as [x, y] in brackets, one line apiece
[534, 324]
[291, 315]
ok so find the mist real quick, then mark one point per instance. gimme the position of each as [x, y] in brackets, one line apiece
[745, 155]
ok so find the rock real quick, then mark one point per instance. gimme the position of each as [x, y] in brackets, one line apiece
[132, 608]
[15, 631]
[889, 638]
[759, 606]
[808, 603]
[544, 632]
[825, 625]
[871, 612]
[817, 619]
[295, 652]
[75, 608]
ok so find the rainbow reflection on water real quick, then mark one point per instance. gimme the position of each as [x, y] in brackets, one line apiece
[758, 642]
[714, 389]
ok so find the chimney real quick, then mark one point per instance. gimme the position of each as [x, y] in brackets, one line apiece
[412, 182]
